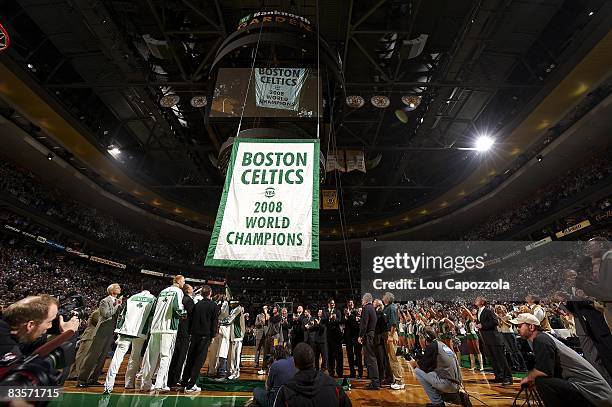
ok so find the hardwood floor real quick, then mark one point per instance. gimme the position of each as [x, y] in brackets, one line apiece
[413, 395]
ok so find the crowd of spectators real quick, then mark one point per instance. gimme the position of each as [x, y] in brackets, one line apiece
[24, 186]
[29, 270]
[28, 267]
[545, 199]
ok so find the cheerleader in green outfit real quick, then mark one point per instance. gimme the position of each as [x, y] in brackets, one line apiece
[401, 331]
[472, 338]
[420, 331]
[410, 336]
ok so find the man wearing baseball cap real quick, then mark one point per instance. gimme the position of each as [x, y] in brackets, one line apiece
[561, 376]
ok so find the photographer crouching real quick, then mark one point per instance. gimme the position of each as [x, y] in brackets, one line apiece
[437, 370]
[26, 357]
[561, 376]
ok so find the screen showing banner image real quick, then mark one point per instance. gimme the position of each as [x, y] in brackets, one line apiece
[273, 92]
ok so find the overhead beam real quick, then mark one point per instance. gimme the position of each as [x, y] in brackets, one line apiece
[221, 20]
[443, 84]
[407, 187]
[347, 37]
[201, 14]
[351, 85]
[385, 187]
[370, 59]
[170, 46]
[369, 13]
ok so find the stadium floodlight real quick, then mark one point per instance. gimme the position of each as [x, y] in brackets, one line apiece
[483, 143]
[114, 151]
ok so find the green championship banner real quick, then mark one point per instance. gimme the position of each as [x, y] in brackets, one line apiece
[268, 216]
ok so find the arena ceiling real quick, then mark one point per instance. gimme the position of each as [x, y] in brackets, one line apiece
[87, 74]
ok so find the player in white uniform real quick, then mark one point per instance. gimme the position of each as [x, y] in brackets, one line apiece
[224, 339]
[168, 310]
[133, 328]
[237, 324]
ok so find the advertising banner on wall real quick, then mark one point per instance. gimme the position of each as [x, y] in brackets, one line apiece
[572, 229]
[279, 88]
[268, 216]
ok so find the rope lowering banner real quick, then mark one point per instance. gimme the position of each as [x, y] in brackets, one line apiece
[269, 214]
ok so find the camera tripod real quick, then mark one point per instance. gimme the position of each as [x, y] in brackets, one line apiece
[532, 398]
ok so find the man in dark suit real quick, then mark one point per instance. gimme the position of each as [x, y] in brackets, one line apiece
[493, 341]
[351, 333]
[335, 358]
[297, 327]
[366, 338]
[203, 329]
[182, 339]
[310, 329]
[320, 348]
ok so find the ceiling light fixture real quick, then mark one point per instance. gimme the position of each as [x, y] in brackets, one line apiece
[380, 101]
[411, 101]
[483, 143]
[355, 101]
[169, 100]
[113, 150]
[198, 101]
[5, 40]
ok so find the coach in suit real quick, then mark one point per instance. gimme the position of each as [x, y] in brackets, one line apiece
[181, 345]
[203, 329]
[85, 342]
[297, 327]
[261, 330]
[367, 326]
[493, 341]
[110, 309]
[320, 348]
[351, 333]
[332, 319]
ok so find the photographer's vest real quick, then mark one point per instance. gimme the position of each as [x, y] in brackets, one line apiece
[446, 364]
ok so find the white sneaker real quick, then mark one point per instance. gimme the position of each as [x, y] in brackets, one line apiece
[231, 377]
[482, 369]
[397, 386]
[163, 389]
[261, 371]
[193, 389]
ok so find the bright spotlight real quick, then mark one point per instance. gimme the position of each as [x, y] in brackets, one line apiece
[484, 143]
[113, 150]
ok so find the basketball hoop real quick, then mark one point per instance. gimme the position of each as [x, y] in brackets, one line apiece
[5, 41]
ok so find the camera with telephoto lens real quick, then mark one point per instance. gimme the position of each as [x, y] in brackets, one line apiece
[73, 305]
[40, 368]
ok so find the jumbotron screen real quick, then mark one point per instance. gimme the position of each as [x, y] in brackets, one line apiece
[273, 92]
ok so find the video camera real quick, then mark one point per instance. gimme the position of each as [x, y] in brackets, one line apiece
[41, 368]
[70, 305]
[73, 305]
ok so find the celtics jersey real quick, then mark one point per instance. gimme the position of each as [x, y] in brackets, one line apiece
[135, 319]
[168, 310]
